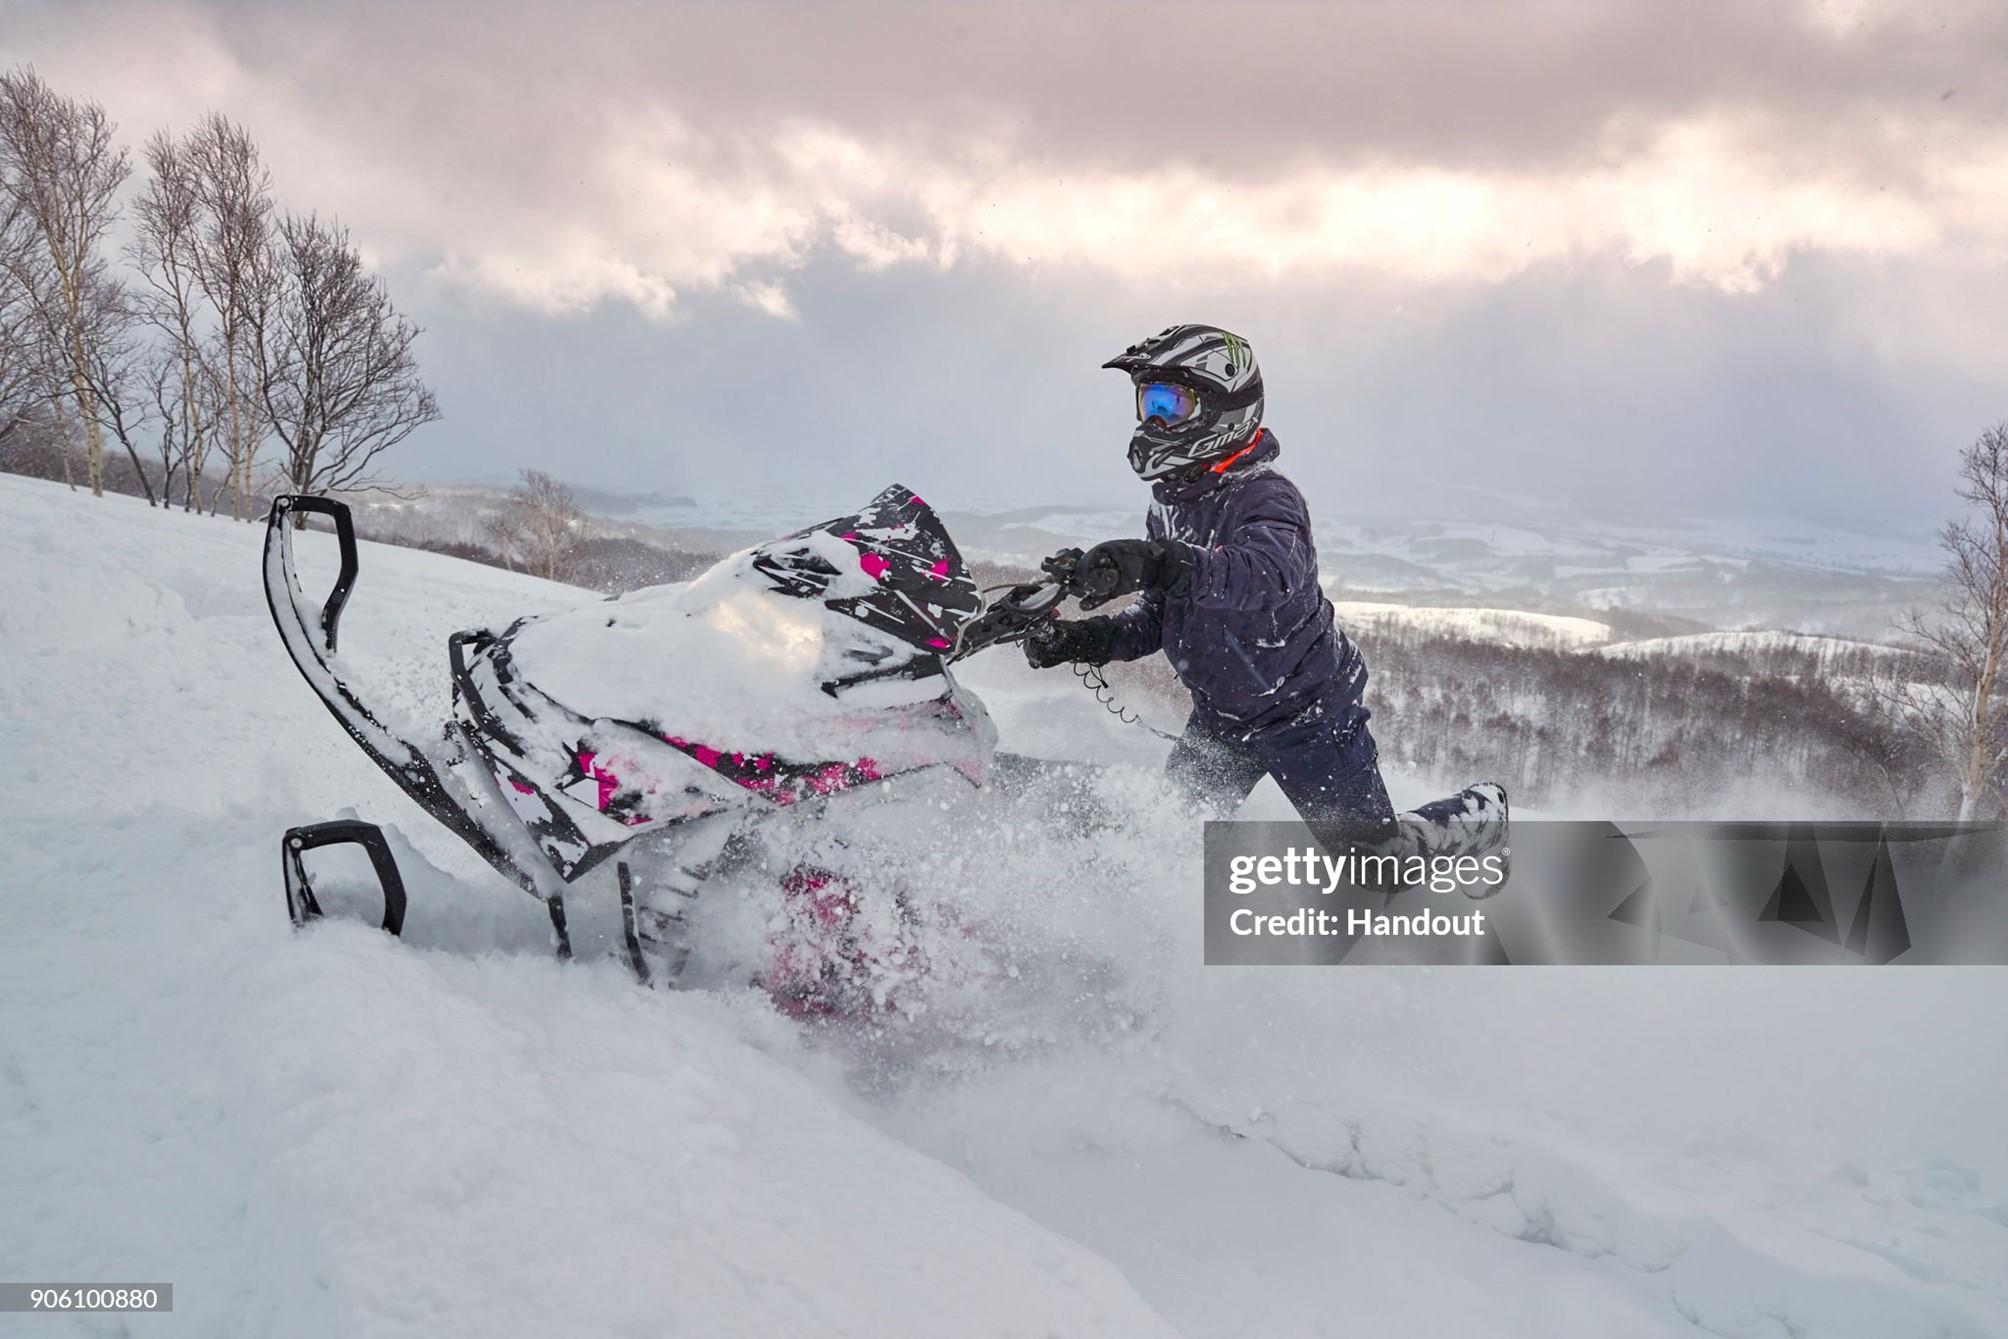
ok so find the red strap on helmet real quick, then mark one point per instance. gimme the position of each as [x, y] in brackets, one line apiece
[1253, 442]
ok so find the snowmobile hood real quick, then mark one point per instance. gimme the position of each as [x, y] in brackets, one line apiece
[795, 647]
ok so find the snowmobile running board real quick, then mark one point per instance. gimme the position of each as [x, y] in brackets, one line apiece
[447, 780]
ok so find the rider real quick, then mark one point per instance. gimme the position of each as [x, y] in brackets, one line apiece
[1227, 587]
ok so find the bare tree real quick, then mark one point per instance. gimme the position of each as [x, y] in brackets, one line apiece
[540, 527]
[164, 250]
[21, 381]
[232, 262]
[504, 530]
[339, 382]
[159, 381]
[116, 369]
[1962, 712]
[62, 173]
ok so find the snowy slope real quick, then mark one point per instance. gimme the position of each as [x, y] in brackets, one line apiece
[1563, 632]
[1748, 642]
[332, 1133]
[1559, 632]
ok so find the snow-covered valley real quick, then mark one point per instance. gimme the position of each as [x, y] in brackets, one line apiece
[332, 1132]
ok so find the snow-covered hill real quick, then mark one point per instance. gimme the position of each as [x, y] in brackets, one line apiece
[334, 1133]
[1559, 632]
[1564, 632]
[1826, 651]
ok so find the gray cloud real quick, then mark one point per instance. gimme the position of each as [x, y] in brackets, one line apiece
[1710, 255]
[1248, 86]
[567, 156]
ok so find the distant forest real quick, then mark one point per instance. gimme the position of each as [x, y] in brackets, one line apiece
[1771, 732]
[1728, 734]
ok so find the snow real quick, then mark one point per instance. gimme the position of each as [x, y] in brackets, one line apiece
[1512, 626]
[334, 1133]
[1563, 632]
[1750, 641]
[727, 661]
[329, 1134]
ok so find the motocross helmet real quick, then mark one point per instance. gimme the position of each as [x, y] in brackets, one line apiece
[1180, 435]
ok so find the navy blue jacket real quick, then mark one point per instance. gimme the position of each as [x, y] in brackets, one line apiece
[1253, 637]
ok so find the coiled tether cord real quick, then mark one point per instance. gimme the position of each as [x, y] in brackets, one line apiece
[1036, 602]
[1096, 682]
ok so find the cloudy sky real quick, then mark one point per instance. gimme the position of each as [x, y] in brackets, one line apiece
[1644, 257]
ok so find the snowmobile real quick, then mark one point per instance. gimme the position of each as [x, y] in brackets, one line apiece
[671, 729]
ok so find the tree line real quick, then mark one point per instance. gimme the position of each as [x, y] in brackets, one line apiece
[169, 338]
[1661, 731]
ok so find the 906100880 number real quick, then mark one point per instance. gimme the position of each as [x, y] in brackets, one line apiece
[93, 1299]
[86, 1297]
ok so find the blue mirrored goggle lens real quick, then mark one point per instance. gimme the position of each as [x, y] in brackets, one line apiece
[1165, 400]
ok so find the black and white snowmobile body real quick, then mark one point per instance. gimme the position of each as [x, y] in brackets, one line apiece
[668, 729]
[789, 675]
[802, 669]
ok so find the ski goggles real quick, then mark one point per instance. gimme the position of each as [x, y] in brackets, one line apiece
[1166, 400]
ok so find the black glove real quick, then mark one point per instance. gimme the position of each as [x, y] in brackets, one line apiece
[1125, 566]
[1089, 641]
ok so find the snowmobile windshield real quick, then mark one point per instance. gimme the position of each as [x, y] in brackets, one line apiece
[891, 567]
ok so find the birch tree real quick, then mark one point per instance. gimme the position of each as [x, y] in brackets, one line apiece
[541, 527]
[231, 260]
[1963, 715]
[339, 380]
[162, 251]
[21, 380]
[62, 172]
[116, 370]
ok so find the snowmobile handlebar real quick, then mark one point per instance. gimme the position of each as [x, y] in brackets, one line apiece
[1009, 613]
[345, 535]
[1060, 568]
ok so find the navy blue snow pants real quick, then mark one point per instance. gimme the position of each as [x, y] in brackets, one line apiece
[1324, 760]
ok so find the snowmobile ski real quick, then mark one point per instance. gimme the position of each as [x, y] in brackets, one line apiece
[439, 780]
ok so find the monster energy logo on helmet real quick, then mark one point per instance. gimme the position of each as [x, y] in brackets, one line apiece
[1238, 351]
[1219, 366]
